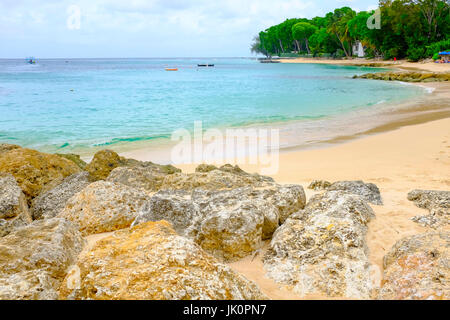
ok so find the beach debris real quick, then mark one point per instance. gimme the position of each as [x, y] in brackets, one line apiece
[103, 207]
[151, 262]
[230, 224]
[35, 171]
[322, 249]
[14, 210]
[49, 204]
[416, 268]
[34, 259]
[437, 203]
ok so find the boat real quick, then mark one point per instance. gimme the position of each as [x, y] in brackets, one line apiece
[171, 69]
[31, 60]
[205, 65]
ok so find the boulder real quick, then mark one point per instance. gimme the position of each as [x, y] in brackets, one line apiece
[13, 205]
[146, 178]
[49, 204]
[34, 171]
[368, 191]
[151, 262]
[319, 185]
[103, 207]
[75, 158]
[417, 268]
[322, 249]
[34, 259]
[5, 147]
[437, 203]
[230, 224]
[105, 161]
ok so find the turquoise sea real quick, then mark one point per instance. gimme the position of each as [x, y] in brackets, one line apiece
[67, 105]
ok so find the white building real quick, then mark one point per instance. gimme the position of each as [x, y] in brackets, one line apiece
[358, 49]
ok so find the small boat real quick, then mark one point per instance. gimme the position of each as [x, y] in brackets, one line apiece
[205, 65]
[171, 69]
[31, 60]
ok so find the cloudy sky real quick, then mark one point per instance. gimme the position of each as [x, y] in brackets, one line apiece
[146, 28]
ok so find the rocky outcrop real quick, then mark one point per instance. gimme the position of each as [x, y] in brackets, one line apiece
[319, 185]
[75, 158]
[13, 205]
[49, 204]
[368, 191]
[230, 224]
[151, 262]
[34, 171]
[5, 147]
[103, 207]
[322, 249]
[437, 202]
[34, 259]
[105, 161]
[406, 76]
[417, 268]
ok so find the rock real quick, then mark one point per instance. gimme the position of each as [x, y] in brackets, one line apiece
[34, 259]
[368, 191]
[149, 178]
[103, 207]
[407, 76]
[230, 224]
[319, 185]
[75, 158]
[322, 249]
[417, 268]
[5, 147]
[151, 262]
[437, 202]
[105, 161]
[205, 168]
[34, 171]
[49, 204]
[13, 205]
[220, 179]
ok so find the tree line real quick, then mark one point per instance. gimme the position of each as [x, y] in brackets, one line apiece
[412, 29]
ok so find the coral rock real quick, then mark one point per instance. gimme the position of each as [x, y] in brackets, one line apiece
[437, 202]
[151, 262]
[322, 249]
[417, 268]
[103, 207]
[34, 259]
[368, 191]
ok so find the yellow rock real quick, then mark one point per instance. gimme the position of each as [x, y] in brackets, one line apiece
[151, 262]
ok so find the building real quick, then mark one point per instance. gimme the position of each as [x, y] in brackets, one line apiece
[445, 56]
[358, 49]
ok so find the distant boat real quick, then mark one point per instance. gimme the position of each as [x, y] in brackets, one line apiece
[171, 69]
[31, 60]
[205, 65]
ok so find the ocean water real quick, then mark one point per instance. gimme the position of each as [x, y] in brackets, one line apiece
[72, 105]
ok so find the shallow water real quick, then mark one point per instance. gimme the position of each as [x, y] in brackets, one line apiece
[69, 105]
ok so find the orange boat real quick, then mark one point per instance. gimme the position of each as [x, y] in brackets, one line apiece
[171, 69]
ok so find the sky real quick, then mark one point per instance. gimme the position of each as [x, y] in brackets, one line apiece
[147, 28]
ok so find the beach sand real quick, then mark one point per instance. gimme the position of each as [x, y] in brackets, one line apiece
[402, 64]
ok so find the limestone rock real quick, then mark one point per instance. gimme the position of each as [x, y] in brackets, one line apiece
[13, 205]
[322, 249]
[205, 168]
[35, 171]
[49, 204]
[75, 158]
[103, 207]
[230, 224]
[417, 268]
[34, 259]
[368, 191]
[151, 262]
[5, 147]
[319, 185]
[437, 202]
[105, 161]
[148, 178]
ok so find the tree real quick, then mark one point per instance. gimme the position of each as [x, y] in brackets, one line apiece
[338, 26]
[257, 47]
[302, 31]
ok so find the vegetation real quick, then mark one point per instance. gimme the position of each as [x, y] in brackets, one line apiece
[413, 29]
